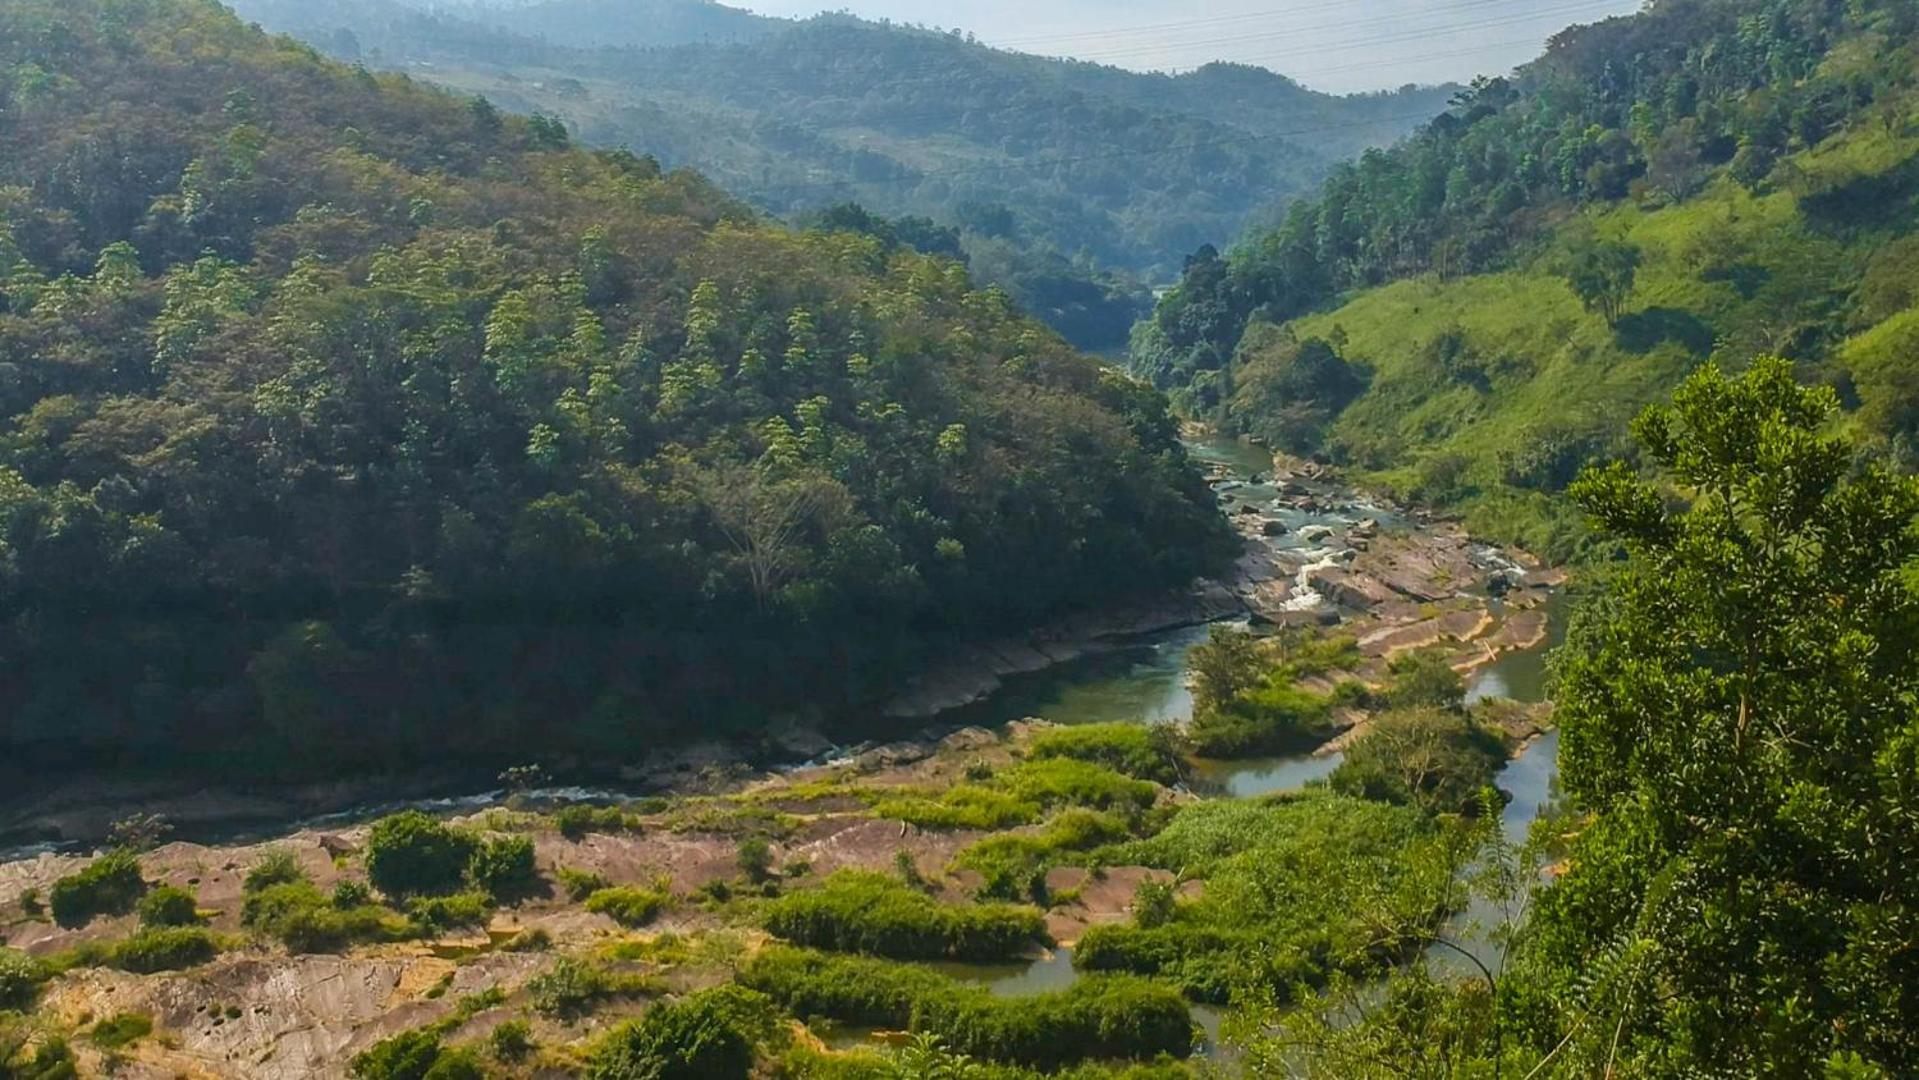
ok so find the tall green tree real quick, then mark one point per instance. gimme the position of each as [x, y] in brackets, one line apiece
[1739, 719]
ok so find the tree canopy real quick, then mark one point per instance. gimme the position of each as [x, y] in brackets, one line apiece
[348, 421]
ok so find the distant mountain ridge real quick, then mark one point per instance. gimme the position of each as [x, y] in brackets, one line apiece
[1049, 167]
[592, 24]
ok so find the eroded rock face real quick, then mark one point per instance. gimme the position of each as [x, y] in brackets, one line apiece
[281, 1018]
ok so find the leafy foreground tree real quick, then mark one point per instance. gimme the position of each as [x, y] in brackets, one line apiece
[1740, 739]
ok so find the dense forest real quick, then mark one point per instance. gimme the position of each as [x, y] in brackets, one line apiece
[1471, 316]
[1071, 183]
[351, 422]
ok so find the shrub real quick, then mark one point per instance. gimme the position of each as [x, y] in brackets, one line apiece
[20, 979]
[1274, 718]
[755, 857]
[109, 885]
[411, 854]
[577, 821]
[630, 907]
[1424, 680]
[169, 906]
[579, 884]
[511, 1042]
[121, 1030]
[1441, 762]
[1154, 904]
[504, 866]
[446, 912]
[277, 867]
[307, 921]
[705, 1037]
[1136, 750]
[856, 911]
[351, 894]
[410, 1055]
[167, 948]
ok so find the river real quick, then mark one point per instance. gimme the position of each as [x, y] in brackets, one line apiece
[1145, 681]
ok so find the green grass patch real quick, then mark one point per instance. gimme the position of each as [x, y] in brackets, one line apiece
[1135, 750]
[965, 806]
[120, 1031]
[1096, 1019]
[879, 915]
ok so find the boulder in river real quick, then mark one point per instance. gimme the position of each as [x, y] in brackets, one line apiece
[1272, 527]
[1313, 534]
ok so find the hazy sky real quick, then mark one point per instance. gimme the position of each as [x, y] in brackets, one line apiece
[1339, 45]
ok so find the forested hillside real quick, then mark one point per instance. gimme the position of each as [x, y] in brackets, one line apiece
[1472, 316]
[1056, 172]
[350, 422]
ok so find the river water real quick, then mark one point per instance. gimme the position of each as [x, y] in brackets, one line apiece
[1145, 681]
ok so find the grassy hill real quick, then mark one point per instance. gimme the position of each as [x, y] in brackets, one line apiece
[1763, 209]
[344, 422]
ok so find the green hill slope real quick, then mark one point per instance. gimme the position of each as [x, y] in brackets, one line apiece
[350, 423]
[1473, 316]
[1055, 171]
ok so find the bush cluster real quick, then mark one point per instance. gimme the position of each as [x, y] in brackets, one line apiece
[864, 912]
[307, 920]
[1098, 1018]
[109, 885]
[169, 906]
[710, 1035]
[1013, 866]
[627, 905]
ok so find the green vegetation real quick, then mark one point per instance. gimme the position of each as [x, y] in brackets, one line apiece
[579, 884]
[1066, 781]
[20, 979]
[503, 867]
[1436, 760]
[1737, 742]
[879, 915]
[168, 906]
[1245, 703]
[1013, 866]
[1470, 318]
[1136, 750]
[109, 885]
[573, 987]
[963, 806]
[164, 948]
[121, 1030]
[576, 821]
[412, 854]
[1092, 166]
[1296, 891]
[709, 1034]
[628, 906]
[427, 434]
[307, 920]
[1098, 1018]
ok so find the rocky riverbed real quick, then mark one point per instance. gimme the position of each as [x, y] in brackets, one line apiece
[1316, 552]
